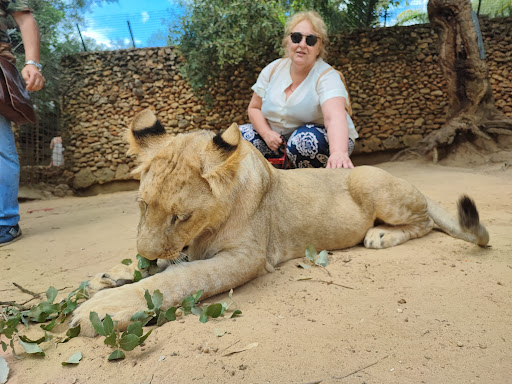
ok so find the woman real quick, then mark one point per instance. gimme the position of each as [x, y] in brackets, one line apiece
[56, 147]
[296, 99]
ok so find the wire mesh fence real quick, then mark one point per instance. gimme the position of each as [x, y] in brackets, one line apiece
[33, 140]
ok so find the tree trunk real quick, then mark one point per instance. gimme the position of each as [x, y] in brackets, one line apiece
[471, 107]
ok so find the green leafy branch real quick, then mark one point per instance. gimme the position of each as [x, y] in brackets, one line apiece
[46, 311]
[55, 313]
[134, 336]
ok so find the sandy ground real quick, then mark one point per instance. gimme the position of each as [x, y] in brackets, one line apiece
[433, 310]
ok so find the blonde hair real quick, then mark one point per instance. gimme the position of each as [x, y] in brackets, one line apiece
[316, 22]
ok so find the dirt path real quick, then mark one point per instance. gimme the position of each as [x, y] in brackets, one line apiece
[433, 310]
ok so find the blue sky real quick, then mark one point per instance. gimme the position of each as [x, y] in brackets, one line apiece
[108, 24]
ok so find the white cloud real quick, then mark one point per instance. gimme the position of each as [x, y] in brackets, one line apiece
[97, 33]
[418, 4]
[99, 36]
[145, 16]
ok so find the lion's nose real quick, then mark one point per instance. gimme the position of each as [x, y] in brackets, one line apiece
[148, 249]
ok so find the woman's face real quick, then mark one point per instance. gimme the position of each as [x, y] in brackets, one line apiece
[302, 54]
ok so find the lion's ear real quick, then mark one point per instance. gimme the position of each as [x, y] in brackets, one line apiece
[221, 159]
[145, 130]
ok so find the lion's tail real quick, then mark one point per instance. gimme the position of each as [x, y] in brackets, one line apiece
[467, 227]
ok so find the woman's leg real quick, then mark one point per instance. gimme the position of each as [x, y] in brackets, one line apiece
[249, 134]
[308, 147]
[9, 176]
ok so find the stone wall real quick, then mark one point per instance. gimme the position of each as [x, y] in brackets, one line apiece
[395, 84]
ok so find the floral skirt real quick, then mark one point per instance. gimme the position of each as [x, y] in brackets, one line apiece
[307, 146]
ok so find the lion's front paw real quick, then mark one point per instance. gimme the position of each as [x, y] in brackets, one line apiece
[116, 277]
[120, 303]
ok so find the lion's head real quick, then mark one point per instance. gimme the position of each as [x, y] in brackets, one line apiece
[185, 187]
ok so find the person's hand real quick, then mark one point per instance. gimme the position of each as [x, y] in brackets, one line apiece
[339, 160]
[273, 140]
[33, 78]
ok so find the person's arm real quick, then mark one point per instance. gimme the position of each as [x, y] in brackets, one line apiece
[260, 124]
[335, 120]
[30, 36]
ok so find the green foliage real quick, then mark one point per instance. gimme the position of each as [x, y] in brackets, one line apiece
[74, 359]
[333, 12]
[134, 335]
[4, 370]
[126, 341]
[409, 17]
[493, 8]
[31, 348]
[218, 33]
[144, 265]
[215, 34]
[46, 311]
[321, 259]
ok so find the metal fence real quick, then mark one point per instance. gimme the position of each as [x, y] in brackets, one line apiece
[33, 140]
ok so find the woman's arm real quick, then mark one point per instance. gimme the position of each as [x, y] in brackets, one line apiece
[335, 120]
[260, 124]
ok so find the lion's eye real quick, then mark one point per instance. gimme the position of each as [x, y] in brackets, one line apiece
[184, 217]
[180, 218]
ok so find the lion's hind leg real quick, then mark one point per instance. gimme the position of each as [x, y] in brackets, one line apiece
[401, 212]
[385, 236]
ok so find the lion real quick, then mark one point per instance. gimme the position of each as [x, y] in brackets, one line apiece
[219, 201]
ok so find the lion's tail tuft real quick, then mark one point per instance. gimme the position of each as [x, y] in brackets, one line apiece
[468, 226]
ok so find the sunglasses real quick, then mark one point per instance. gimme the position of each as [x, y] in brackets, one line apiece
[297, 38]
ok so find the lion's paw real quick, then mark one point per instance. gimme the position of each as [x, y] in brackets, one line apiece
[379, 237]
[120, 303]
[116, 277]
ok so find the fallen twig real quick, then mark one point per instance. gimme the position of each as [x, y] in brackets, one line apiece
[360, 369]
[14, 304]
[236, 342]
[40, 209]
[328, 283]
[27, 291]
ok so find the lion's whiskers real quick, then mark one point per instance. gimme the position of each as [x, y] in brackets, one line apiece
[183, 258]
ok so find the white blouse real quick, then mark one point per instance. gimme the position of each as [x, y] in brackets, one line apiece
[303, 105]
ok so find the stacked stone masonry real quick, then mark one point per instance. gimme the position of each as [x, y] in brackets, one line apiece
[393, 76]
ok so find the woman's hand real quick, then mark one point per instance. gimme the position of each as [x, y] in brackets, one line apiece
[339, 160]
[272, 139]
[260, 124]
